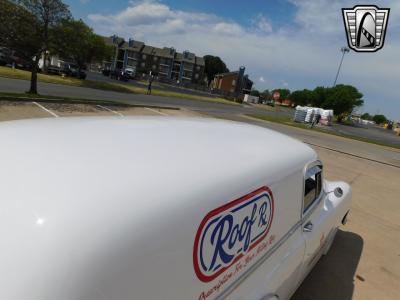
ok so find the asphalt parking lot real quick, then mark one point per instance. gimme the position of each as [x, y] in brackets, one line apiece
[225, 110]
[26, 110]
[364, 262]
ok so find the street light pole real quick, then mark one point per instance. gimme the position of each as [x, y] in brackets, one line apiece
[344, 50]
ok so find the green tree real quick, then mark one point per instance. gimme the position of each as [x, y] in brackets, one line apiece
[21, 32]
[266, 95]
[366, 116]
[284, 93]
[255, 92]
[319, 96]
[304, 97]
[213, 66]
[342, 99]
[379, 119]
[76, 41]
[25, 26]
[49, 13]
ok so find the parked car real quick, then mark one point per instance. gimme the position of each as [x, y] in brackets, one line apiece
[173, 213]
[106, 72]
[5, 56]
[130, 72]
[119, 75]
[55, 70]
[269, 102]
[3, 59]
[72, 70]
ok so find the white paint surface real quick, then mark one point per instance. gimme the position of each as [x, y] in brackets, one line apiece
[108, 208]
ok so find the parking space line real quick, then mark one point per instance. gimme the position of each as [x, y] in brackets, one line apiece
[156, 111]
[45, 109]
[110, 110]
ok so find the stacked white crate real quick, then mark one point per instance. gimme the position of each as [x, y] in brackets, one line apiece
[326, 117]
[304, 114]
[300, 114]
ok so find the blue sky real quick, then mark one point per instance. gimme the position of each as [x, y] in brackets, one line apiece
[283, 44]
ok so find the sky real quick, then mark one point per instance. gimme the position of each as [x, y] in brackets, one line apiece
[292, 44]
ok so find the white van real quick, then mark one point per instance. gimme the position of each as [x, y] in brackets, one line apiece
[162, 208]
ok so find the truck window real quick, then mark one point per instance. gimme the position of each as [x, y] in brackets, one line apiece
[312, 186]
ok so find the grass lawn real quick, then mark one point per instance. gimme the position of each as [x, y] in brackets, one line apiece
[107, 86]
[289, 122]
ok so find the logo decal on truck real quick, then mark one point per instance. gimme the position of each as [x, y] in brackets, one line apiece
[228, 232]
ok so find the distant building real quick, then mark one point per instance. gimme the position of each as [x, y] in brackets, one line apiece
[165, 62]
[233, 82]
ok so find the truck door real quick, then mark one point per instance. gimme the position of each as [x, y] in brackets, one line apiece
[315, 227]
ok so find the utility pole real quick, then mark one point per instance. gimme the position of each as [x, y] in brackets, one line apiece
[344, 50]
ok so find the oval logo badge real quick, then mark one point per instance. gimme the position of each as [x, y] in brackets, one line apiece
[228, 232]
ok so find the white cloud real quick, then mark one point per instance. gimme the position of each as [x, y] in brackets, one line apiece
[305, 51]
[262, 24]
[224, 28]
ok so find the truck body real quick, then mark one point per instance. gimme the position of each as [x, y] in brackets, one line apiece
[151, 208]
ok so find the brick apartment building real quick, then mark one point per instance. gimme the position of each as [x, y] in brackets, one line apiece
[233, 82]
[165, 62]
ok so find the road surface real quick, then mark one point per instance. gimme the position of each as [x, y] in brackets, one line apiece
[215, 109]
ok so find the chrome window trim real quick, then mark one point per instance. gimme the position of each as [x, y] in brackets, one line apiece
[317, 201]
[227, 291]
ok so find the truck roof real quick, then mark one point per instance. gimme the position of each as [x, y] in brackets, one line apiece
[79, 194]
[203, 142]
[179, 147]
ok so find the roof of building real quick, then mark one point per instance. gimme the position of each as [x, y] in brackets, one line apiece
[147, 50]
[167, 52]
[178, 57]
[188, 57]
[200, 61]
[137, 46]
[157, 52]
[109, 40]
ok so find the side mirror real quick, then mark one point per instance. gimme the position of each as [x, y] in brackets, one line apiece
[338, 192]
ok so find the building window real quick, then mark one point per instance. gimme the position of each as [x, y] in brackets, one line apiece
[198, 68]
[233, 82]
[144, 56]
[131, 54]
[131, 62]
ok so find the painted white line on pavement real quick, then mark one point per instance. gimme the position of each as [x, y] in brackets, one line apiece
[110, 110]
[156, 111]
[45, 109]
